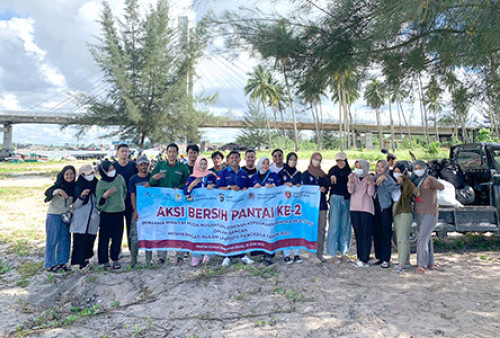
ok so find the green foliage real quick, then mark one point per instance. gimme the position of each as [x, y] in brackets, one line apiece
[434, 147]
[485, 135]
[149, 75]
[254, 135]
[4, 268]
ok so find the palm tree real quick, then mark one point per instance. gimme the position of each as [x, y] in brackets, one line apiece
[461, 104]
[433, 101]
[375, 97]
[398, 93]
[311, 93]
[276, 100]
[260, 87]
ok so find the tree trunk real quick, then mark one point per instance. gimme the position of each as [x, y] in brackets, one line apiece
[295, 133]
[423, 112]
[316, 124]
[454, 137]
[436, 127]
[405, 121]
[341, 138]
[353, 132]
[284, 129]
[379, 127]
[268, 127]
[276, 126]
[393, 141]
[465, 136]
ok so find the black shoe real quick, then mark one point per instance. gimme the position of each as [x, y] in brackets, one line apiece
[180, 260]
[161, 261]
[297, 259]
[269, 261]
[288, 260]
[64, 267]
[107, 266]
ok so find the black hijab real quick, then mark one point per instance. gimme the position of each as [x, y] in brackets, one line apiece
[289, 170]
[60, 183]
[82, 184]
[103, 169]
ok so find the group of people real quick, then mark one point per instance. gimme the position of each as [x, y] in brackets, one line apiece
[371, 204]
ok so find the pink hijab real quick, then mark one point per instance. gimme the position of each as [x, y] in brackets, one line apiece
[196, 169]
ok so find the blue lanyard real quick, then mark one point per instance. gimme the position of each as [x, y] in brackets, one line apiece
[265, 178]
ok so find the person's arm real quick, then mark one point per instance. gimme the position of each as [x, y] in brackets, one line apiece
[221, 182]
[351, 184]
[124, 188]
[153, 182]
[184, 178]
[277, 180]
[370, 189]
[434, 184]
[254, 181]
[407, 187]
[134, 205]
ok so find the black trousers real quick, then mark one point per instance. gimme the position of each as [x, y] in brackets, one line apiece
[110, 229]
[362, 222]
[83, 248]
[382, 233]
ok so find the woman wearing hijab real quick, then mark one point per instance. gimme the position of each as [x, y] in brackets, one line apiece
[85, 221]
[290, 176]
[339, 229]
[382, 226]
[111, 192]
[361, 187]
[201, 178]
[265, 177]
[402, 215]
[314, 175]
[426, 212]
[58, 239]
[268, 179]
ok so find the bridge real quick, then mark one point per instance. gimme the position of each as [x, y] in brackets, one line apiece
[9, 118]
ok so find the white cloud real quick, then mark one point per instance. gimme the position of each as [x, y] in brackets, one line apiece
[9, 102]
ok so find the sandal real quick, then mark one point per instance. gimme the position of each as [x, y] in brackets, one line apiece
[420, 270]
[432, 267]
[107, 266]
[399, 268]
[385, 265]
[117, 265]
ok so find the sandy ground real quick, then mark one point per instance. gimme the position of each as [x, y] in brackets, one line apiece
[461, 298]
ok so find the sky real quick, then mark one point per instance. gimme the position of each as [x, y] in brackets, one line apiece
[44, 56]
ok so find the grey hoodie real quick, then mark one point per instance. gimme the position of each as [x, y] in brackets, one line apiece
[85, 217]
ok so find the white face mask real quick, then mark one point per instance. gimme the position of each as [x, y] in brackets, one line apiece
[397, 175]
[419, 172]
[111, 173]
[90, 177]
[358, 172]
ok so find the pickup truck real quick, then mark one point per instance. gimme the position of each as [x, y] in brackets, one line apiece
[481, 164]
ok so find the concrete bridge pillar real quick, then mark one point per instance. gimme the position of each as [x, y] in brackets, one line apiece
[369, 141]
[7, 136]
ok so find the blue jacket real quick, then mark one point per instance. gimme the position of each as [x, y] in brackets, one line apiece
[383, 192]
[270, 178]
[309, 179]
[295, 179]
[207, 180]
[229, 177]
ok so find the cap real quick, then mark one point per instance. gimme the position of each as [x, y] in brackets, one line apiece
[86, 170]
[341, 156]
[142, 159]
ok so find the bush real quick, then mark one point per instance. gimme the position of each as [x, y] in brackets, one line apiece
[434, 147]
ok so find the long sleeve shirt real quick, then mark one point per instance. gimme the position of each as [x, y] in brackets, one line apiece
[428, 203]
[384, 192]
[207, 180]
[295, 179]
[403, 205]
[175, 176]
[269, 178]
[309, 179]
[361, 194]
[230, 177]
[116, 201]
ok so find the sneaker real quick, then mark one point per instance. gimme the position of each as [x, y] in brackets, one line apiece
[288, 260]
[297, 259]
[361, 264]
[247, 260]
[195, 261]
[226, 261]
[205, 260]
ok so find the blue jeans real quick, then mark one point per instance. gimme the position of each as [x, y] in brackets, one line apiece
[57, 242]
[339, 228]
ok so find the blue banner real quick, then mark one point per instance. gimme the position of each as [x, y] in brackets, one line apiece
[227, 222]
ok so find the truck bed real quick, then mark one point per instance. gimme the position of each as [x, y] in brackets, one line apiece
[478, 218]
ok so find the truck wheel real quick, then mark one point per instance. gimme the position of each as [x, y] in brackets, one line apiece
[442, 234]
[413, 239]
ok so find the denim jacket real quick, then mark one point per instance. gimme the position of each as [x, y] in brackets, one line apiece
[384, 192]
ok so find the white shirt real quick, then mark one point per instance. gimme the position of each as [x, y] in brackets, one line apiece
[275, 169]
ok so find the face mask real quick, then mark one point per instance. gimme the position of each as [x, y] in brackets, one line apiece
[358, 172]
[111, 173]
[89, 178]
[419, 172]
[316, 163]
[397, 175]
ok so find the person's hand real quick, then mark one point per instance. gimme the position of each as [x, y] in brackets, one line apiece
[234, 187]
[63, 194]
[109, 192]
[289, 184]
[257, 185]
[322, 189]
[351, 177]
[380, 180]
[369, 179]
[400, 180]
[426, 183]
[85, 193]
[210, 186]
[136, 216]
[333, 179]
[158, 176]
[270, 185]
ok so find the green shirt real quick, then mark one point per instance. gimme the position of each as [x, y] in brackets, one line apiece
[175, 177]
[115, 202]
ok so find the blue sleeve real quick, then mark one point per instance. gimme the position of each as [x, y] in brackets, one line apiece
[212, 179]
[221, 182]
[188, 182]
[297, 179]
[305, 178]
[254, 180]
[277, 180]
[131, 185]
